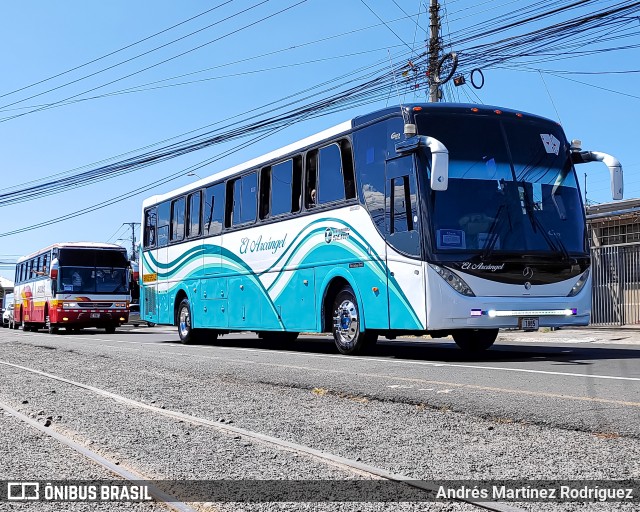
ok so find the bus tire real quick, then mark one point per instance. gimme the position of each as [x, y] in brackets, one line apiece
[188, 335]
[475, 340]
[347, 324]
[53, 329]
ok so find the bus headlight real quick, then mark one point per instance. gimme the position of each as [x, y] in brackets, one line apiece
[453, 280]
[120, 305]
[70, 305]
[577, 288]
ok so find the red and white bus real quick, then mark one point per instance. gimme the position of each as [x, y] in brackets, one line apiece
[73, 285]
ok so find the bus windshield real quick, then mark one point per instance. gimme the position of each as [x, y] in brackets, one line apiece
[93, 271]
[512, 187]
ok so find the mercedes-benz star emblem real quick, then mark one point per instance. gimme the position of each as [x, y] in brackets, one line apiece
[527, 272]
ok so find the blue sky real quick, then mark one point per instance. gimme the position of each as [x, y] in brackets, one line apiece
[307, 44]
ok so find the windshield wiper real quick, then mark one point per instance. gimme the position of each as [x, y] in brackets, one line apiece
[492, 235]
[537, 225]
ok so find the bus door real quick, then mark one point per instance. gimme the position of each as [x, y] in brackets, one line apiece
[405, 282]
[149, 268]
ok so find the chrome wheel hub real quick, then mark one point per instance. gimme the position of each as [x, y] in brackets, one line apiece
[345, 322]
[184, 322]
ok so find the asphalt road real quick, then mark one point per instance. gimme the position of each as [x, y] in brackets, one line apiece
[547, 405]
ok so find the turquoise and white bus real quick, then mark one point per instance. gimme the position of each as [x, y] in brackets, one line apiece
[440, 219]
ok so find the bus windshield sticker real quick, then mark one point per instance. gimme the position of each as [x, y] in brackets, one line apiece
[67, 287]
[551, 144]
[451, 239]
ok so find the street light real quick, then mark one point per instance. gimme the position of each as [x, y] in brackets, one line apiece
[194, 174]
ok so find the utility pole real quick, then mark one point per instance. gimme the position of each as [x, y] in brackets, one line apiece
[434, 50]
[134, 256]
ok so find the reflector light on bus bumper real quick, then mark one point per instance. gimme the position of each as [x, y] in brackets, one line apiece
[492, 313]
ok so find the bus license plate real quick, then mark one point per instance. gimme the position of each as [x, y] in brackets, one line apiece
[529, 324]
[95, 315]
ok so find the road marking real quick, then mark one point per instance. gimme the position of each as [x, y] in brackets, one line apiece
[427, 382]
[353, 359]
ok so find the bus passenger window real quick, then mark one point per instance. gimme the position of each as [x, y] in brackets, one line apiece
[311, 193]
[193, 214]
[281, 188]
[330, 177]
[150, 228]
[248, 210]
[177, 219]
[245, 198]
[164, 213]
[213, 213]
[265, 192]
[296, 185]
[346, 152]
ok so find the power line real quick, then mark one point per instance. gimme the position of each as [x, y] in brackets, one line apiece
[233, 32]
[114, 51]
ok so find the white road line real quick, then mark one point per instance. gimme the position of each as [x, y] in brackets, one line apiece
[352, 359]
[384, 360]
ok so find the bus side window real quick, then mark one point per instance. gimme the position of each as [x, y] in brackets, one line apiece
[230, 204]
[45, 262]
[245, 198]
[164, 217]
[311, 192]
[282, 197]
[296, 185]
[194, 214]
[330, 177]
[213, 209]
[248, 212]
[177, 219]
[264, 202]
[346, 152]
[150, 221]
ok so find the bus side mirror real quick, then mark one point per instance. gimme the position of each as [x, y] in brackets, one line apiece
[53, 274]
[614, 165]
[439, 164]
[439, 158]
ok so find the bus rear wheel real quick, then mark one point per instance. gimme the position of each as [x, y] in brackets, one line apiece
[475, 340]
[347, 331]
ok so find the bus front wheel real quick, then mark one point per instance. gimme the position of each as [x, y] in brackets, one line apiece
[475, 340]
[347, 324]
